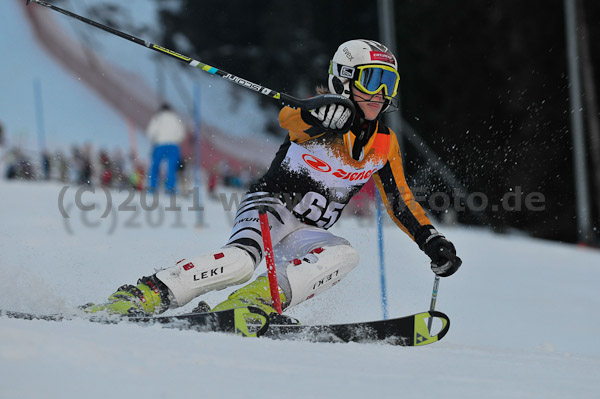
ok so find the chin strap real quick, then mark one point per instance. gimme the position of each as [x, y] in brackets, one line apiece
[363, 130]
[359, 114]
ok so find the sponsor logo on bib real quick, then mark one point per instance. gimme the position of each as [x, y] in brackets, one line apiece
[316, 163]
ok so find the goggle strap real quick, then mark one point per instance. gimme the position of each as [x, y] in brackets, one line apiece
[342, 71]
[345, 71]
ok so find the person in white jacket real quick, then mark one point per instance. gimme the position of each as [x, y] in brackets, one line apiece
[166, 131]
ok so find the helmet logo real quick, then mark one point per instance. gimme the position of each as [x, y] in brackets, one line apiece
[316, 163]
[347, 72]
[348, 53]
[381, 56]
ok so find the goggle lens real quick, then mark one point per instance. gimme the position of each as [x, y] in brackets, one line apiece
[372, 79]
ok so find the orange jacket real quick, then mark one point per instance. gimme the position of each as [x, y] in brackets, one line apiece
[380, 159]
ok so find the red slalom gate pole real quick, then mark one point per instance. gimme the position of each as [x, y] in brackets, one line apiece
[268, 245]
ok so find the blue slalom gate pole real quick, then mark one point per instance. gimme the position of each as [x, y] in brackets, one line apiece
[197, 159]
[384, 305]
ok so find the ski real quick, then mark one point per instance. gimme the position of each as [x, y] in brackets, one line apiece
[248, 322]
[404, 331]
[253, 322]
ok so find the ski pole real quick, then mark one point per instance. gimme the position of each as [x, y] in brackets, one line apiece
[268, 247]
[436, 284]
[308, 104]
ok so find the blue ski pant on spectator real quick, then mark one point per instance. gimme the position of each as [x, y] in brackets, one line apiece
[170, 153]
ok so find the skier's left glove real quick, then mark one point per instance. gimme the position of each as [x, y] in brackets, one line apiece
[444, 261]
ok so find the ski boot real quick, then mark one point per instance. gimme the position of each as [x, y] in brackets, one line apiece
[257, 294]
[150, 296]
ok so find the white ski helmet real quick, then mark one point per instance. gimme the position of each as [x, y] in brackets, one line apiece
[345, 67]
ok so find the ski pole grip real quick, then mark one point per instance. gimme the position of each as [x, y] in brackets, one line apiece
[316, 102]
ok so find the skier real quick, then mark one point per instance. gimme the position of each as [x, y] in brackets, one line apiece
[325, 159]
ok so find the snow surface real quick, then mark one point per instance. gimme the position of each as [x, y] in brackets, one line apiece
[523, 311]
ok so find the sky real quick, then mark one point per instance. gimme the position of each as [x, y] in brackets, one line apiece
[72, 112]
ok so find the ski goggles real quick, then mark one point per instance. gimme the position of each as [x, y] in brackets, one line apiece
[372, 78]
[369, 79]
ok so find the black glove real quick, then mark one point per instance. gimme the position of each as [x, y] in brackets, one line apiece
[444, 261]
[331, 117]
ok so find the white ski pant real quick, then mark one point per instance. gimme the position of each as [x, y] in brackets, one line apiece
[308, 260]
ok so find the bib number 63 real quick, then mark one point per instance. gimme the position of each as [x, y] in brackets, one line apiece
[316, 208]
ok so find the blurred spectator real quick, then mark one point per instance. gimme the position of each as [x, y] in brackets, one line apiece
[166, 132]
[19, 166]
[182, 175]
[213, 179]
[136, 178]
[62, 165]
[83, 165]
[46, 165]
[12, 163]
[25, 170]
[118, 169]
[226, 173]
[245, 178]
[106, 174]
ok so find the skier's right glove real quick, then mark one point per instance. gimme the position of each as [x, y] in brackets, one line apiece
[334, 117]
